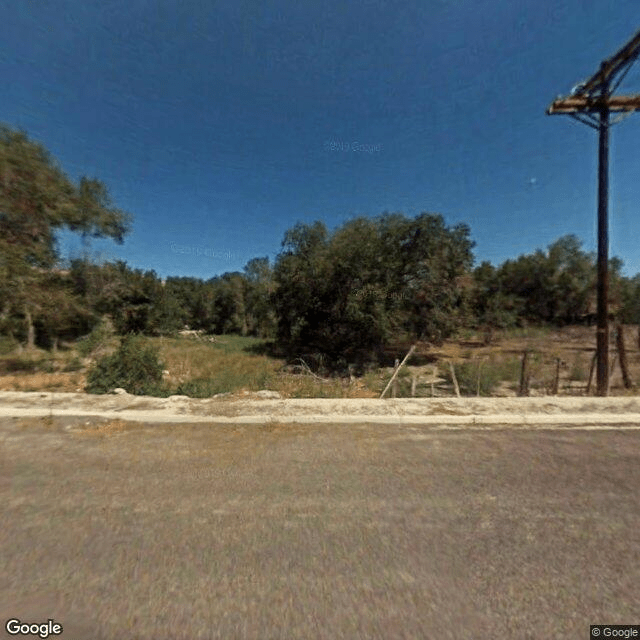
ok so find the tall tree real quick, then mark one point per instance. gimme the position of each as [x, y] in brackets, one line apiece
[260, 285]
[36, 200]
[346, 295]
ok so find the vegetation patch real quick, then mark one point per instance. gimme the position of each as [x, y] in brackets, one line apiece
[135, 367]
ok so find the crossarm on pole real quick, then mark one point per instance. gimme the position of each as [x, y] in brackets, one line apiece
[585, 104]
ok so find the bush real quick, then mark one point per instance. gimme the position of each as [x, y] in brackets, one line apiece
[134, 367]
[75, 364]
[8, 345]
[20, 364]
[226, 382]
[99, 338]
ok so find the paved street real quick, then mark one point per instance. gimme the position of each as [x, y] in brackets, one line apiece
[129, 530]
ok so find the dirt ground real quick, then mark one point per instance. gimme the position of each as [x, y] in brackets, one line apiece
[122, 530]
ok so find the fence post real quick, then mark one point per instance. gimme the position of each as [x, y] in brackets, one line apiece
[622, 354]
[394, 386]
[455, 380]
[524, 375]
[556, 381]
[613, 366]
[395, 373]
[591, 369]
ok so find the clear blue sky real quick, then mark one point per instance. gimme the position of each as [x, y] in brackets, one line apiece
[221, 124]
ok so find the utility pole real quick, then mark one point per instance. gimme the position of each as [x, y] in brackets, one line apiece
[588, 99]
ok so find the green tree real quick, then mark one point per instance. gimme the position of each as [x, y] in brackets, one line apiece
[491, 307]
[260, 285]
[302, 283]
[36, 200]
[346, 295]
[630, 300]
[135, 367]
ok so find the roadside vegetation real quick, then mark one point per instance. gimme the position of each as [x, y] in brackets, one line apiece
[328, 318]
[237, 365]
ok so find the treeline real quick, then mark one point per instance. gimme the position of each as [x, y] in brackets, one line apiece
[140, 302]
[344, 295]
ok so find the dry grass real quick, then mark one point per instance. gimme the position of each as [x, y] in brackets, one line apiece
[191, 359]
[228, 365]
[61, 382]
[105, 429]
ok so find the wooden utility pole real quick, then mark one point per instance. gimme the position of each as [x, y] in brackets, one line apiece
[591, 103]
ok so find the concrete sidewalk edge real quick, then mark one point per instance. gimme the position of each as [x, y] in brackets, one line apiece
[578, 420]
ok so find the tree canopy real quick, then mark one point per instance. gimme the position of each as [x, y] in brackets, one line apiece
[37, 199]
[348, 293]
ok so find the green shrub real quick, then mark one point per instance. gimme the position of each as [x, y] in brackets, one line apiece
[27, 363]
[75, 364]
[47, 366]
[134, 367]
[7, 345]
[20, 364]
[99, 338]
[201, 388]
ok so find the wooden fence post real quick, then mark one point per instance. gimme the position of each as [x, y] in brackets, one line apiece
[556, 380]
[613, 365]
[395, 373]
[524, 375]
[455, 380]
[591, 370]
[622, 354]
[394, 386]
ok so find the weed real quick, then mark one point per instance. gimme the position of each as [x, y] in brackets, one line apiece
[485, 376]
[579, 370]
[75, 364]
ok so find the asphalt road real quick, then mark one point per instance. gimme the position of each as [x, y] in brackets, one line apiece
[125, 530]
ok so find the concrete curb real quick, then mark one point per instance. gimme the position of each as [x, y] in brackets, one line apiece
[568, 411]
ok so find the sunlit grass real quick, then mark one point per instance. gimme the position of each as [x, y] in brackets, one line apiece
[216, 367]
[234, 364]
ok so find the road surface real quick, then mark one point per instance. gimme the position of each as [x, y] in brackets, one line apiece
[123, 530]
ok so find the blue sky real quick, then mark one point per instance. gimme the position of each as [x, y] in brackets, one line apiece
[221, 124]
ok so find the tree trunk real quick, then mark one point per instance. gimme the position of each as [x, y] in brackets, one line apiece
[31, 330]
